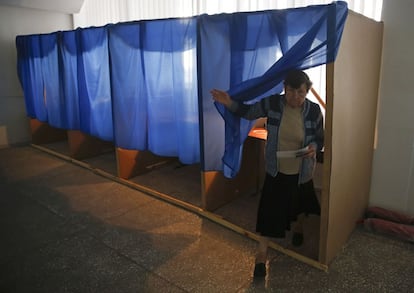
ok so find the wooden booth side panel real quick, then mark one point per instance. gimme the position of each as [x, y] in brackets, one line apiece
[218, 190]
[356, 73]
[82, 145]
[43, 133]
[131, 163]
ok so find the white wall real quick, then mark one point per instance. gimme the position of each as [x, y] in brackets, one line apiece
[19, 21]
[392, 183]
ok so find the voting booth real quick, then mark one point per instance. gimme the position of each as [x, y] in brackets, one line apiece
[133, 91]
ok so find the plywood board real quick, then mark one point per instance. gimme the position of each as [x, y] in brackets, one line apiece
[352, 99]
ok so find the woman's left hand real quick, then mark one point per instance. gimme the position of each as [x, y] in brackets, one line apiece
[311, 151]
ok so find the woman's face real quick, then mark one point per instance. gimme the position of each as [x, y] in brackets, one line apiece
[295, 97]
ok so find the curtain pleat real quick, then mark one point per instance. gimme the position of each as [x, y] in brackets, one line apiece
[51, 81]
[29, 68]
[68, 61]
[95, 104]
[128, 87]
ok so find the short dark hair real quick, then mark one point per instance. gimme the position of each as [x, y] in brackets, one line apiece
[295, 78]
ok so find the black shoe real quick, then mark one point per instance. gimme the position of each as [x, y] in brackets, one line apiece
[297, 239]
[259, 270]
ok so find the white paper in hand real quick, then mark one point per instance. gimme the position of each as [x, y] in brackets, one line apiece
[293, 154]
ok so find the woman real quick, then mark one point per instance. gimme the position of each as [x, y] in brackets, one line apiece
[294, 123]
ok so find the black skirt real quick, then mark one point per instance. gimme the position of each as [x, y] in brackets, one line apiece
[282, 200]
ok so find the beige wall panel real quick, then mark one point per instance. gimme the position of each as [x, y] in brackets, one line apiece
[354, 105]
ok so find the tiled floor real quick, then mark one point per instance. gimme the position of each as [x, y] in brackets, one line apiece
[65, 228]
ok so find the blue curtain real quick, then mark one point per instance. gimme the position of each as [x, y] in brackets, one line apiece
[250, 68]
[68, 63]
[53, 97]
[95, 103]
[29, 69]
[169, 61]
[128, 87]
[154, 87]
[145, 85]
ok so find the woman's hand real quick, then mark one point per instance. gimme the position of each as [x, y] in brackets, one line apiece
[311, 151]
[221, 97]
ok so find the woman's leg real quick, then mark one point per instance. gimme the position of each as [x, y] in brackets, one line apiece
[306, 202]
[298, 227]
[261, 257]
[297, 237]
[262, 247]
[273, 211]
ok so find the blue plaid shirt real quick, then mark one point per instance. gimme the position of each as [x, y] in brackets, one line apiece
[272, 108]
